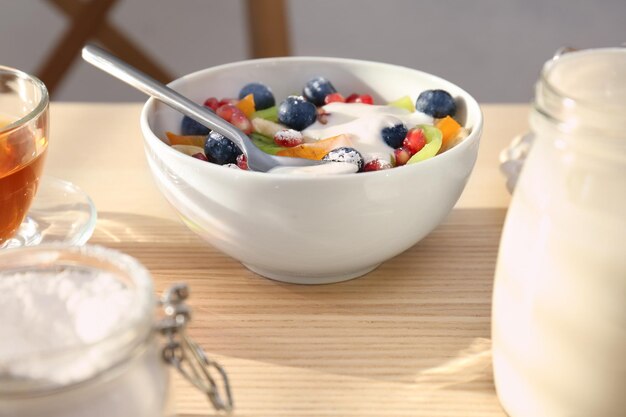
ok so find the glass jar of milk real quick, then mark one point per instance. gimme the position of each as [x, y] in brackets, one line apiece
[559, 303]
[83, 335]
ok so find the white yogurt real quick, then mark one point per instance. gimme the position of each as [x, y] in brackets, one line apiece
[363, 123]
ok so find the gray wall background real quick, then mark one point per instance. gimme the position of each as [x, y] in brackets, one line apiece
[492, 48]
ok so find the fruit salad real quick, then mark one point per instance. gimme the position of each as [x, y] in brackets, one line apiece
[323, 124]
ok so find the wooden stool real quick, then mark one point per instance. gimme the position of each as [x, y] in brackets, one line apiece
[269, 32]
[89, 20]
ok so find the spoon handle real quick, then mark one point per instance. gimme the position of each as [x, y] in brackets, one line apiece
[257, 159]
[143, 82]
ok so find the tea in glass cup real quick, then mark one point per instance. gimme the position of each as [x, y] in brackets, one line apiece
[23, 145]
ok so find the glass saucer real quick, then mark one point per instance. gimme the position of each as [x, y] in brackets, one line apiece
[60, 213]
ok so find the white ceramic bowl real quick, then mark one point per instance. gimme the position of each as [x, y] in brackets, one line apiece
[310, 230]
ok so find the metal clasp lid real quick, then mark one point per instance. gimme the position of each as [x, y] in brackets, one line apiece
[185, 355]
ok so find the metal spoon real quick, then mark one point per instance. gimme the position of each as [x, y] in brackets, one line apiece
[257, 159]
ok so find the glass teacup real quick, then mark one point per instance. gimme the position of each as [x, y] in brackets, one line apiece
[23, 145]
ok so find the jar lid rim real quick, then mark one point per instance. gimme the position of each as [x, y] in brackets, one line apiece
[546, 78]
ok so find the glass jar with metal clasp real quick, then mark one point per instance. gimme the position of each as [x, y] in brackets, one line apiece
[84, 335]
[559, 320]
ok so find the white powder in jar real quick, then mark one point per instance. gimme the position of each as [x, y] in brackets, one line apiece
[56, 325]
[76, 335]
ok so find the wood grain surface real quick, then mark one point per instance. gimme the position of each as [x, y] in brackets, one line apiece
[409, 339]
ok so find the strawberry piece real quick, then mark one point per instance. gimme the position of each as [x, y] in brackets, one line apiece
[242, 162]
[414, 141]
[365, 99]
[376, 165]
[212, 102]
[235, 116]
[334, 98]
[360, 98]
[402, 156]
[239, 120]
[288, 138]
[232, 101]
[225, 111]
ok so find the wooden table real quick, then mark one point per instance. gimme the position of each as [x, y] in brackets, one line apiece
[409, 339]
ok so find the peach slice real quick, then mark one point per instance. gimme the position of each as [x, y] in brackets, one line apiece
[449, 129]
[317, 150]
[185, 140]
[246, 105]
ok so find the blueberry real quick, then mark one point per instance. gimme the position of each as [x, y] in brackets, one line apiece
[263, 97]
[317, 89]
[221, 150]
[190, 127]
[345, 154]
[437, 103]
[296, 113]
[394, 135]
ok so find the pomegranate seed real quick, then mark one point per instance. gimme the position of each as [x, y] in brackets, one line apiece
[414, 140]
[334, 98]
[376, 165]
[212, 103]
[288, 138]
[242, 162]
[402, 156]
[200, 156]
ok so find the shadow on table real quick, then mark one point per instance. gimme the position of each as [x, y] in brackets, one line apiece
[415, 320]
[119, 228]
[470, 365]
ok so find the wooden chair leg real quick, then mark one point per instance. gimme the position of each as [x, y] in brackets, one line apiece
[85, 24]
[118, 43]
[269, 31]
[89, 20]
